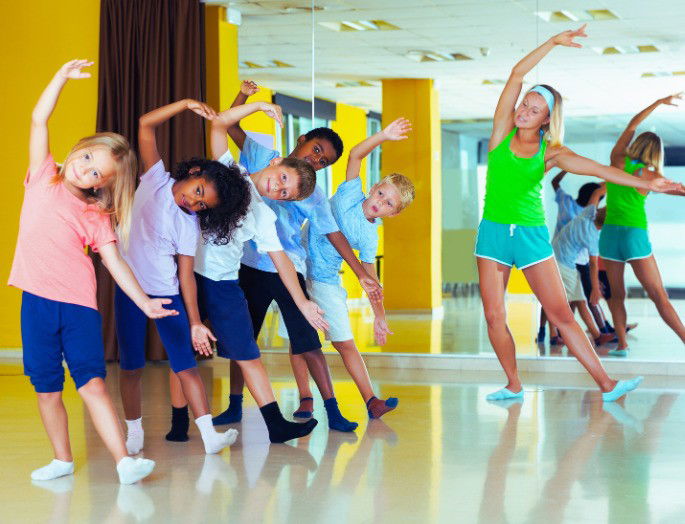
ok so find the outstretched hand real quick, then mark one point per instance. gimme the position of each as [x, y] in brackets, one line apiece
[273, 111]
[671, 99]
[663, 185]
[202, 109]
[397, 130]
[72, 69]
[381, 330]
[248, 87]
[314, 315]
[566, 38]
[201, 336]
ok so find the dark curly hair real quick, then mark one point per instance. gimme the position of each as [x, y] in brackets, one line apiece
[326, 133]
[218, 223]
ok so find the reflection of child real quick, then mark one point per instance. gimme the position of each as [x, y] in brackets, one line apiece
[64, 211]
[580, 234]
[358, 218]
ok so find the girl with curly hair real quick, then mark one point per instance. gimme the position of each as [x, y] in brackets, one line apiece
[170, 212]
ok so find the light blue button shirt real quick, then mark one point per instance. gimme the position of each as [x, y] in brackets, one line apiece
[291, 215]
[579, 234]
[568, 210]
[323, 262]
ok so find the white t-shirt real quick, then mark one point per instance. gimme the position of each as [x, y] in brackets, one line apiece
[160, 230]
[223, 262]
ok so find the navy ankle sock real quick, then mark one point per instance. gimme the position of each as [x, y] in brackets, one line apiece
[282, 430]
[302, 411]
[179, 425]
[233, 414]
[335, 419]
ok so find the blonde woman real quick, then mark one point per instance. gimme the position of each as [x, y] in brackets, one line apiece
[624, 237]
[63, 212]
[526, 141]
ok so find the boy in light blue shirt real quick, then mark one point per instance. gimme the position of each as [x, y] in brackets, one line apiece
[582, 233]
[358, 218]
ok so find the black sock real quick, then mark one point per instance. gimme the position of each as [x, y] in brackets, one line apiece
[234, 412]
[179, 425]
[280, 429]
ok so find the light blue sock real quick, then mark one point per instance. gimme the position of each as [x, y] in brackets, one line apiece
[621, 416]
[618, 352]
[504, 394]
[622, 387]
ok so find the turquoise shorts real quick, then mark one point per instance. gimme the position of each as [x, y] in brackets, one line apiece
[512, 245]
[624, 243]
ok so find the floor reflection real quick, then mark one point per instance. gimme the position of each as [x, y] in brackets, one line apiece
[445, 455]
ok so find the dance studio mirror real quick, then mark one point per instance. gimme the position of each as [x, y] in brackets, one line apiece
[443, 65]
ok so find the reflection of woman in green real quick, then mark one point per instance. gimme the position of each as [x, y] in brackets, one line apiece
[624, 236]
[526, 141]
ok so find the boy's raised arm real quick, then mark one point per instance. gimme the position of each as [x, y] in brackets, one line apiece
[397, 130]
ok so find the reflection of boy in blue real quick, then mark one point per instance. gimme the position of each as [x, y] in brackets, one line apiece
[320, 148]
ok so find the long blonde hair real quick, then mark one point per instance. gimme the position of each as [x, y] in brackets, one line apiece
[648, 149]
[554, 130]
[116, 197]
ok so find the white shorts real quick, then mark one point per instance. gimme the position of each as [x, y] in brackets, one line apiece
[332, 298]
[572, 284]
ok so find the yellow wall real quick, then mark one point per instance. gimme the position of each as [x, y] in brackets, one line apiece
[38, 37]
[350, 124]
[412, 245]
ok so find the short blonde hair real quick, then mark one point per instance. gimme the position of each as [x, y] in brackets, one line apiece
[648, 149]
[116, 197]
[404, 186]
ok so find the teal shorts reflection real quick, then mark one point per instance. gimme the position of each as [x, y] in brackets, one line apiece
[624, 243]
[512, 245]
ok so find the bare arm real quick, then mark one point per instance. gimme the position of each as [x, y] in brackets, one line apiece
[147, 125]
[397, 130]
[503, 121]
[126, 280]
[199, 332]
[39, 144]
[619, 150]
[226, 119]
[569, 161]
[556, 181]
[247, 88]
[370, 285]
[286, 270]
[380, 324]
[594, 279]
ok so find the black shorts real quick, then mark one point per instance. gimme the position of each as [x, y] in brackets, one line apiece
[604, 283]
[584, 270]
[260, 288]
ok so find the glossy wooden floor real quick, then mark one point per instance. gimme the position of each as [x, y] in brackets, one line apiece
[462, 331]
[445, 455]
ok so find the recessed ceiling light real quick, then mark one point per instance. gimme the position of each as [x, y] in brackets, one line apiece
[253, 65]
[435, 56]
[460, 56]
[360, 25]
[557, 16]
[648, 49]
[678, 73]
[613, 50]
[602, 14]
[279, 63]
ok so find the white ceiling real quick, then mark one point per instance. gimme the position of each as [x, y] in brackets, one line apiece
[592, 84]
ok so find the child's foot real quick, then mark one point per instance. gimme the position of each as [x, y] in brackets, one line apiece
[135, 436]
[286, 430]
[179, 425]
[604, 338]
[306, 409]
[377, 407]
[215, 442]
[233, 414]
[54, 470]
[618, 352]
[132, 470]
[504, 394]
[335, 419]
[631, 326]
[621, 388]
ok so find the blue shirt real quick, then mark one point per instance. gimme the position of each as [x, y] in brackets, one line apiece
[579, 234]
[568, 210]
[290, 215]
[323, 262]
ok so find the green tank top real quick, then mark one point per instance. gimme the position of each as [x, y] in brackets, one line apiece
[513, 187]
[626, 205]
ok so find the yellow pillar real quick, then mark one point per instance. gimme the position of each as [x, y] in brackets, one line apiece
[412, 245]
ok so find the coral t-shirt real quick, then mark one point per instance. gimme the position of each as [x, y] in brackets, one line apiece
[54, 228]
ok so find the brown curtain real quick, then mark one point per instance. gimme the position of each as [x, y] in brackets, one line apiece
[151, 54]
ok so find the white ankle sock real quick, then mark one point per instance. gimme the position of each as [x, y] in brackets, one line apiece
[56, 469]
[135, 436]
[213, 441]
[132, 470]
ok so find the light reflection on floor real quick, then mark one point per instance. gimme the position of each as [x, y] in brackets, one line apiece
[445, 455]
[463, 331]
